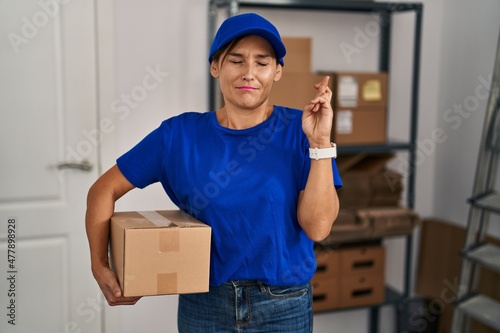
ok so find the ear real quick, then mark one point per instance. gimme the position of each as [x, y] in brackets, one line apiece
[279, 71]
[214, 69]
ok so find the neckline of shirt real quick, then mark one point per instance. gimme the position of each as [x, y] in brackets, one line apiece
[246, 130]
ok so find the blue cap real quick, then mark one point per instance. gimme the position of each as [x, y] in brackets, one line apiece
[244, 25]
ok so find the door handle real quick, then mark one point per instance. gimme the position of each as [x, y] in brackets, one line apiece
[83, 166]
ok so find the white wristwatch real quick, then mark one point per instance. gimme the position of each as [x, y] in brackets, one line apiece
[319, 153]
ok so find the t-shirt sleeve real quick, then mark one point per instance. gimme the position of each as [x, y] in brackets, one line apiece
[142, 165]
[336, 175]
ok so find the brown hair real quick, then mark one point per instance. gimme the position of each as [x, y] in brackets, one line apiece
[228, 47]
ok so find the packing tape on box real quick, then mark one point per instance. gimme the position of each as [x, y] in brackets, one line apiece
[157, 219]
[168, 240]
[166, 283]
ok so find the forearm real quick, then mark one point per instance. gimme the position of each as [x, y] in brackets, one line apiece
[101, 200]
[100, 207]
[318, 203]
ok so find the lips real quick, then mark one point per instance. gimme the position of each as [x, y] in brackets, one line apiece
[246, 88]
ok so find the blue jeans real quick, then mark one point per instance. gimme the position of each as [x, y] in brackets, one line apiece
[249, 307]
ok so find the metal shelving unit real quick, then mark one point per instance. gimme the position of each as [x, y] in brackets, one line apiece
[483, 309]
[385, 10]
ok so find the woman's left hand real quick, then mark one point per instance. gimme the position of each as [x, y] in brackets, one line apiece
[318, 116]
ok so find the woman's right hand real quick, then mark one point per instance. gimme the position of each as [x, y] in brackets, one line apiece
[108, 282]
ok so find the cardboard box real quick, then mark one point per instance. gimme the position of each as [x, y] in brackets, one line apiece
[160, 253]
[362, 290]
[298, 54]
[353, 90]
[439, 261]
[325, 293]
[362, 260]
[351, 276]
[346, 162]
[364, 163]
[346, 228]
[361, 125]
[368, 182]
[373, 223]
[295, 89]
[388, 182]
[389, 221]
[346, 222]
[386, 200]
[360, 106]
[327, 263]
[325, 282]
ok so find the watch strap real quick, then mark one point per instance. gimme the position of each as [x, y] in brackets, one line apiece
[321, 153]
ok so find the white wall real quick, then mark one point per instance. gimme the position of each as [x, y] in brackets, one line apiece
[470, 38]
[459, 41]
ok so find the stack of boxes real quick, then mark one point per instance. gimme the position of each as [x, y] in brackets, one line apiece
[370, 200]
[368, 182]
[359, 99]
[326, 281]
[348, 277]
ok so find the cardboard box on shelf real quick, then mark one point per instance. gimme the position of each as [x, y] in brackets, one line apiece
[361, 290]
[353, 90]
[364, 163]
[357, 191]
[295, 89]
[362, 260]
[346, 222]
[364, 224]
[325, 293]
[362, 125]
[360, 192]
[346, 162]
[347, 228]
[160, 252]
[298, 54]
[327, 263]
[388, 182]
[389, 221]
[368, 182]
[354, 276]
[360, 106]
[386, 199]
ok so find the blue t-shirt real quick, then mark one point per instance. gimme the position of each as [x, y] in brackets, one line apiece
[243, 183]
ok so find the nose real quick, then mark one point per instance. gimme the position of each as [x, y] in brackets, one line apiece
[248, 73]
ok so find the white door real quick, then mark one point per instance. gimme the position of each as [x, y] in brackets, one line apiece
[48, 117]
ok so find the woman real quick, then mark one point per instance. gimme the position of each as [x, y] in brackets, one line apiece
[247, 171]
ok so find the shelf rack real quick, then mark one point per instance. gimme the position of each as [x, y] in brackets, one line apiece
[385, 10]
